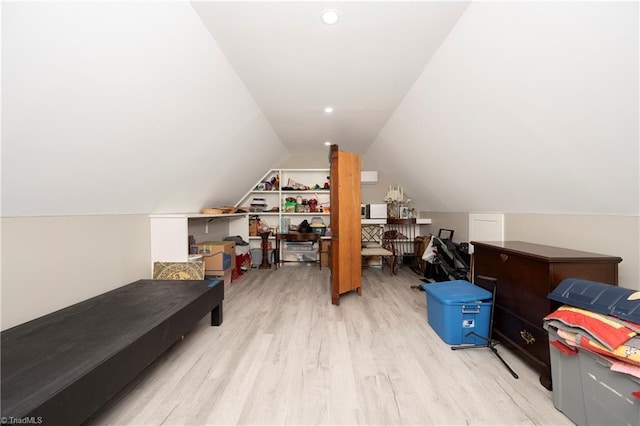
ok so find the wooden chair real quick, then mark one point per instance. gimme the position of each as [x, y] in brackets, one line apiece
[374, 244]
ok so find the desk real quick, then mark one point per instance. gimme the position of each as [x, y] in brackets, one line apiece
[299, 238]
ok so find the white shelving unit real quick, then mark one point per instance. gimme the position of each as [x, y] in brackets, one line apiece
[170, 232]
[276, 197]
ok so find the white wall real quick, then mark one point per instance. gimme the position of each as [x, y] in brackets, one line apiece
[527, 107]
[611, 235]
[605, 234]
[49, 263]
[122, 107]
[111, 111]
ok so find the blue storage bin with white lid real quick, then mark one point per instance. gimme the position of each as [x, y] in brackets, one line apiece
[457, 308]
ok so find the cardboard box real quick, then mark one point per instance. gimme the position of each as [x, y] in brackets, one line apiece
[217, 262]
[253, 227]
[227, 278]
[218, 256]
[325, 246]
[230, 249]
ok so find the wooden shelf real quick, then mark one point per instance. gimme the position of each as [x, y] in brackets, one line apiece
[306, 191]
[196, 215]
[306, 214]
[401, 221]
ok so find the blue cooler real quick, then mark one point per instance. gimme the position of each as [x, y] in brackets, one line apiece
[455, 308]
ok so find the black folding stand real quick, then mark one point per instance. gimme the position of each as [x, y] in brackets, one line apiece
[491, 344]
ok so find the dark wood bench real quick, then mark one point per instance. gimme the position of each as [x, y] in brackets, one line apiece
[64, 366]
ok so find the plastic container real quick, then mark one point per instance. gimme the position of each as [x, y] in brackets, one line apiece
[457, 308]
[317, 220]
[567, 379]
[256, 256]
[284, 226]
[319, 228]
[587, 391]
[610, 398]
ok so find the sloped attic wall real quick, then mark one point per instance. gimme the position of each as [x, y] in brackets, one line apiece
[527, 107]
[123, 107]
[111, 111]
[530, 109]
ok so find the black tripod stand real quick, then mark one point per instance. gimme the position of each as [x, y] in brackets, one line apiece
[491, 344]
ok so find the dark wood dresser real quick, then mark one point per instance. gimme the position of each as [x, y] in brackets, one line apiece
[525, 274]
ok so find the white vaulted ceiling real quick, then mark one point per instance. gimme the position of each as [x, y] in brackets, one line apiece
[294, 65]
[165, 106]
[471, 106]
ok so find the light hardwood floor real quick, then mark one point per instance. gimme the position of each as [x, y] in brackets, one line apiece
[285, 355]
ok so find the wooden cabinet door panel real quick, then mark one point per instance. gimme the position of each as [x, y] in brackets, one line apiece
[346, 271]
[522, 285]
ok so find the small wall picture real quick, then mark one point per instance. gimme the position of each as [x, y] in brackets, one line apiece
[404, 212]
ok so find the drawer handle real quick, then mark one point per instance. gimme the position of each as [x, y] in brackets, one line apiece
[527, 337]
[504, 257]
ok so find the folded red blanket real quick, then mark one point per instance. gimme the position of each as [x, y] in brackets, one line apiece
[598, 333]
[608, 331]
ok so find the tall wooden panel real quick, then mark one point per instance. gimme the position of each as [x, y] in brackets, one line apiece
[346, 273]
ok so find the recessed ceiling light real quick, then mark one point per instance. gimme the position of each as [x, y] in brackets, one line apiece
[330, 16]
[328, 110]
[327, 143]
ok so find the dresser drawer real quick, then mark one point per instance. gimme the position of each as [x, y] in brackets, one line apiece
[526, 336]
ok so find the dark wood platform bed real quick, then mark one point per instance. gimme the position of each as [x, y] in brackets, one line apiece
[60, 368]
